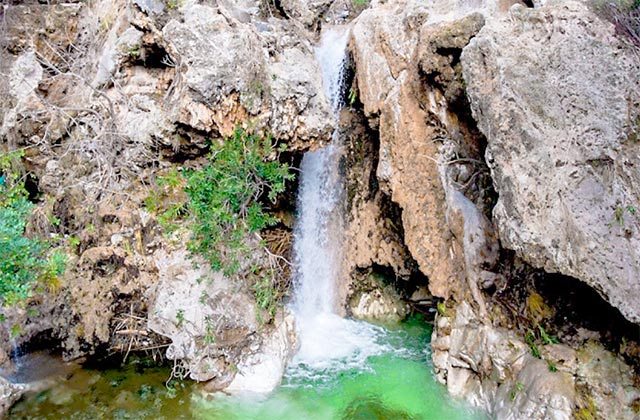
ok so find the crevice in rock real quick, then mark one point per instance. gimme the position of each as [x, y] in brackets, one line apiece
[31, 185]
[44, 340]
[273, 8]
[153, 56]
[565, 307]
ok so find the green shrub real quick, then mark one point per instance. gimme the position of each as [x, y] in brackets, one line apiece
[25, 263]
[224, 203]
[224, 197]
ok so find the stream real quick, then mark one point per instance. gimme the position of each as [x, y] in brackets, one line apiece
[344, 369]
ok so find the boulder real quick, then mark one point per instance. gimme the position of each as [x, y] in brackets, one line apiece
[556, 94]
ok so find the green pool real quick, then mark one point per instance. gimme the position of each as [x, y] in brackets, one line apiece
[395, 382]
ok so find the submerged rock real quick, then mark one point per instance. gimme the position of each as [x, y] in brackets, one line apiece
[372, 408]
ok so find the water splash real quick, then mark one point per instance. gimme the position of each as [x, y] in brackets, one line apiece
[328, 343]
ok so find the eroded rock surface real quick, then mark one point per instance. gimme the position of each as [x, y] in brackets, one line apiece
[494, 368]
[561, 143]
[107, 96]
[9, 394]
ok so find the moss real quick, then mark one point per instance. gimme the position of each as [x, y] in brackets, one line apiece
[537, 308]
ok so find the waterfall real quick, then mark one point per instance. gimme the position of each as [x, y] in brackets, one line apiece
[327, 341]
[317, 241]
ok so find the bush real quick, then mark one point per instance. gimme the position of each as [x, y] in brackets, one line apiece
[224, 199]
[223, 204]
[24, 262]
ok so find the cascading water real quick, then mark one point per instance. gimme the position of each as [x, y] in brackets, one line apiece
[327, 341]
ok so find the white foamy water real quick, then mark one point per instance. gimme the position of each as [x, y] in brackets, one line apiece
[328, 343]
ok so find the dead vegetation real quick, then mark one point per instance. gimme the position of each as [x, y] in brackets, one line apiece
[625, 16]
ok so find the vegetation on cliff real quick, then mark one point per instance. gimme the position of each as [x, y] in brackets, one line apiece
[25, 262]
[224, 202]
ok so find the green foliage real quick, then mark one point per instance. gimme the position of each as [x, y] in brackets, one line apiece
[517, 388]
[24, 262]
[174, 4]
[588, 412]
[222, 204]
[167, 199]
[359, 3]
[15, 331]
[619, 214]
[552, 366]
[353, 96]
[267, 295]
[179, 318]
[210, 331]
[442, 308]
[546, 338]
[530, 339]
[223, 197]
[74, 242]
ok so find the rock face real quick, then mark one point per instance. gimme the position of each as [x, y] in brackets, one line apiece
[557, 142]
[213, 327]
[562, 143]
[9, 394]
[493, 368]
[105, 97]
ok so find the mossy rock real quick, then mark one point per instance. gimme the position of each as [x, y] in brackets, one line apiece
[372, 409]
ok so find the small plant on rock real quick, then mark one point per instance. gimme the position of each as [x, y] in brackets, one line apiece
[517, 388]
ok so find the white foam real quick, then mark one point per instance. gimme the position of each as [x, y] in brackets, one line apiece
[328, 343]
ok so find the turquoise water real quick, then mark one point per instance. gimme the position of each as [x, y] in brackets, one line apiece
[396, 382]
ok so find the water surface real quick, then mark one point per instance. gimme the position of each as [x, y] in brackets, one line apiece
[392, 380]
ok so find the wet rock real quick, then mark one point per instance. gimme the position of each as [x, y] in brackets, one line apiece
[262, 371]
[373, 409]
[382, 305]
[560, 144]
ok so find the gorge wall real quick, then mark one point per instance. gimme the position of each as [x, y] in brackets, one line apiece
[491, 166]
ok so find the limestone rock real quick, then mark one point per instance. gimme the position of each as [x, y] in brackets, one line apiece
[261, 372]
[269, 71]
[606, 382]
[561, 143]
[9, 394]
[201, 312]
[382, 305]
[406, 58]
[536, 393]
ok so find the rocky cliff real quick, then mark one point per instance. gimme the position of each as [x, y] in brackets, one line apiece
[491, 166]
[506, 139]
